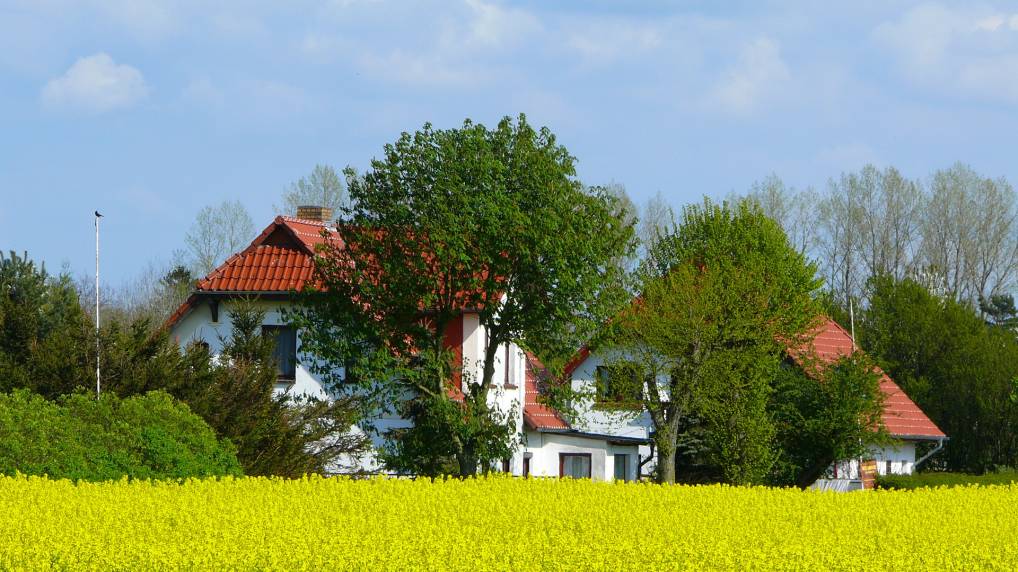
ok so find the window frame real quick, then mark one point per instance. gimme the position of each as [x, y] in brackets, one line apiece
[274, 330]
[562, 465]
[624, 457]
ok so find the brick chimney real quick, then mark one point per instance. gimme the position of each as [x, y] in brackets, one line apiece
[310, 212]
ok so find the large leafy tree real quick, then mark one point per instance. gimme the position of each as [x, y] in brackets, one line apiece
[720, 300]
[491, 221]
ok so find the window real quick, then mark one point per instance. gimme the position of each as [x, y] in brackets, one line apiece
[575, 465]
[506, 466]
[526, 466]
[285, 352]
[619, 383]
[887, 470]
[621, 467]
[510, 371]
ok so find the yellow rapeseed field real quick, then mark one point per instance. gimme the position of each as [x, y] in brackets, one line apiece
[496, 524]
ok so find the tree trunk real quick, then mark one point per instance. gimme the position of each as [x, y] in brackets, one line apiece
[811, 474]
[467, 462]
[666, 464]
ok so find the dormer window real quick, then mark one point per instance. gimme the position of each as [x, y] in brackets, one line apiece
[285, 351]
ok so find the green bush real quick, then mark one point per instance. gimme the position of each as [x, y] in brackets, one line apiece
[145, 436]
[933, 480]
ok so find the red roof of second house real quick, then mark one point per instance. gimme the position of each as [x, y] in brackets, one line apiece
[901, 416]
[537, 415]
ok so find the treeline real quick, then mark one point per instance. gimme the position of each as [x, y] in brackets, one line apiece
[930, 267]
[955, 232]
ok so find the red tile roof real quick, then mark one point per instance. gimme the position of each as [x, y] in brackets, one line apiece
[537, 415]
[280, 259]
[259, 269]
[902, 417]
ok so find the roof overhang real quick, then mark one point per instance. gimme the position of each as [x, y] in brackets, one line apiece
[611, 439]
[921, 437]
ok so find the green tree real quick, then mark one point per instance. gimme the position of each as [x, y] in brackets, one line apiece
[832, 412]
[957, 368]
[41, 324]
[720, 299]
[491, 221]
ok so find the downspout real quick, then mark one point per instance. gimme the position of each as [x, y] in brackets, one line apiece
[940, 445]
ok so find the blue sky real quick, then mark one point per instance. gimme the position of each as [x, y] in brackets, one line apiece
[150, 110]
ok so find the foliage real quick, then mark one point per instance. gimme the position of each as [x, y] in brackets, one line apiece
[1000, 310]
[820, 418]
[145, 436]
[40, 320]
[275, 434]
[720, 299]
[491, 221]
[425, 449]
[47, 345]
[959, 370]
[513, 524]
[939, 479]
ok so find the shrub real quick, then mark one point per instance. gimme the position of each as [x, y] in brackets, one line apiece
[77, 437]
[933, 480]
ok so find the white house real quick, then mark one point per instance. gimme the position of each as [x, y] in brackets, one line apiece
[280, 260]
[905, 422]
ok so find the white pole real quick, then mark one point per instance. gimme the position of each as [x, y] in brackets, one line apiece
[851, 318]
[97, 217]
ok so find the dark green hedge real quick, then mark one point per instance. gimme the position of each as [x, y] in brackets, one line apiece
[920, 480]
[146, 436]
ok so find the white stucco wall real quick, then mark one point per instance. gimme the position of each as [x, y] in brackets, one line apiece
[599, 419]
[546, 447]
[901, 456]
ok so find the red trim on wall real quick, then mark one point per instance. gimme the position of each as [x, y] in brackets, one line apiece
[454, 341]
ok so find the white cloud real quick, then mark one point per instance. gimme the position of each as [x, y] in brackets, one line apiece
[959, 50]
[97, 84]
[759, 75]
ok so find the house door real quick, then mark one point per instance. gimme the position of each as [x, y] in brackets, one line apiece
[621, 467]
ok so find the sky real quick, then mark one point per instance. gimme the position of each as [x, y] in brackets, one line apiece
[150, 110]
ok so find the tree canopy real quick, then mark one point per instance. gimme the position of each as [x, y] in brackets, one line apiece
[722, 298]
[961, 371]
[472, 219]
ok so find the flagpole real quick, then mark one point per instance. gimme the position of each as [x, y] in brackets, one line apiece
[97, 387]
